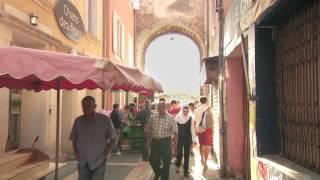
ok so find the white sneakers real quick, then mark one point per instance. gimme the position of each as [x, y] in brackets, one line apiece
[118, 153]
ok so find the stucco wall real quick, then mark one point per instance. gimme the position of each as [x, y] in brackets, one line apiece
[235, 116]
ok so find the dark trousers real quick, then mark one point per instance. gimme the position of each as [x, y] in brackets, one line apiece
[184, 144]
[145, 149]
[85, 173]
[161, 150]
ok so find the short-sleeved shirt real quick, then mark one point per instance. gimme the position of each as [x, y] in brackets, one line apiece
[91, 138]
[198, 113]
[144, 116]
[162, 127]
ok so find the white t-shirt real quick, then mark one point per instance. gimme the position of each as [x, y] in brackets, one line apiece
[198, 113]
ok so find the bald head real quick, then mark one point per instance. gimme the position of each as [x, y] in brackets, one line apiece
[162, 108]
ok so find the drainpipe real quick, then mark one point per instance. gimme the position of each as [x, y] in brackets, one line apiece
[223, 133]
[207, 26]
[104, 44]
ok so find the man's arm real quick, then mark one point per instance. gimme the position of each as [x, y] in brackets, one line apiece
[175, 131]
[147, 130]
[193, 131]
[110, 136]
[73, 138]
[75, 149]
[109, 147]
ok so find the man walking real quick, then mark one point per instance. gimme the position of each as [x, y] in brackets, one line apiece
[204, 125]
[92, 138]
[144, 116]
[161, 127]
[117, 124]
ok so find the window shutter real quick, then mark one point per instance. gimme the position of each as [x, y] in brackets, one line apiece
[114, 33]
[130, 50]
[122, 42]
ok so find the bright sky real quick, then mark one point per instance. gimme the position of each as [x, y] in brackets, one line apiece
[175, 63]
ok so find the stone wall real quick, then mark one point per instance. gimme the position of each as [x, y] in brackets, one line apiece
[156, 18]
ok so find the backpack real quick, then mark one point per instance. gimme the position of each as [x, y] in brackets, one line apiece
[206, 120]
[209, 118]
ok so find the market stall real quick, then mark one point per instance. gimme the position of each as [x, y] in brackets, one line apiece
[38, 70]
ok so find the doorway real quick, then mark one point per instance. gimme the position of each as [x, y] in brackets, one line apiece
[237, 116]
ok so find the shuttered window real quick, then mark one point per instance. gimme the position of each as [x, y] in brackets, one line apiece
[118, 37]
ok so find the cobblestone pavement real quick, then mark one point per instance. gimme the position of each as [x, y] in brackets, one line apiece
[196, 169]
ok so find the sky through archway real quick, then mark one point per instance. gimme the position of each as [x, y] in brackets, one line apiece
[174, 60]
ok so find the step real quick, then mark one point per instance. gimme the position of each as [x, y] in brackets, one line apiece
[14, 160]
[22, 164]
[25, 171]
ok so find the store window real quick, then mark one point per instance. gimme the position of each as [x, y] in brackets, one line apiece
[14, 120]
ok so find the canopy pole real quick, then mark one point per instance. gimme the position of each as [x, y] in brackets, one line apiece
[57, 130]
[103, 98]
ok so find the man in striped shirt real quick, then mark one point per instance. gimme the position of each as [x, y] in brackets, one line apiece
[161, 128]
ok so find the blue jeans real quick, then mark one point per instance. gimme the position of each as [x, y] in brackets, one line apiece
[85, 173]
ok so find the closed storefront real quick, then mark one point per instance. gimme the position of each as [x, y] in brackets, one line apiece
[297, 81]
[287, 71]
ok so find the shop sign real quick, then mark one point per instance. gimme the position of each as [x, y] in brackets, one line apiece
[242, 14]
[69, 20]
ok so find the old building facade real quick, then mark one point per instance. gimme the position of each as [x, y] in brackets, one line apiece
[26, 114]
[120, 42]
[271, 119]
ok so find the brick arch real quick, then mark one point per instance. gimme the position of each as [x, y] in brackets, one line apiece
[148, 35]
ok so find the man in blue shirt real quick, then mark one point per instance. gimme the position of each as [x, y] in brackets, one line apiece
[92, 138]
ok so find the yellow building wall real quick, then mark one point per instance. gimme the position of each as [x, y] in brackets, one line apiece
[38, 110]
[46, 15]
[5, 37]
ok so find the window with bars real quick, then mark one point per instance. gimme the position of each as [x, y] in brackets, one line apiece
[297, 78]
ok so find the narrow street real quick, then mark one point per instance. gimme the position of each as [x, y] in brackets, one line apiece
[81, 77]
[129, 166]
[118, 167]
[196, 169]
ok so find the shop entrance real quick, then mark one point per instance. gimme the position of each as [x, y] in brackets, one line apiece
[16, 98]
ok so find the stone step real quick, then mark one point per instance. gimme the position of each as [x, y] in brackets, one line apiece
[10, 161]
[25, 171]
[22, 164]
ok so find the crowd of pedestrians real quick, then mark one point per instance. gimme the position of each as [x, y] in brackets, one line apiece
[174, 131]
[171, 132]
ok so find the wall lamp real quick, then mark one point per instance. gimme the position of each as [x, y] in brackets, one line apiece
[34, 19]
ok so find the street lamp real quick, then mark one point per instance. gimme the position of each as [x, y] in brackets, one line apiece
[34, 19]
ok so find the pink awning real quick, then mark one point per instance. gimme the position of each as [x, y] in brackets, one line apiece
[38, 70]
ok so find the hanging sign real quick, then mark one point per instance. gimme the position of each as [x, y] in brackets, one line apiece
[69, 20]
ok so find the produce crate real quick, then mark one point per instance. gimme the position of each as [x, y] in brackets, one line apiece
[136, 138]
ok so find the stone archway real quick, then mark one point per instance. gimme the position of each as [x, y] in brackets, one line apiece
[148, 35]
[156, 18]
